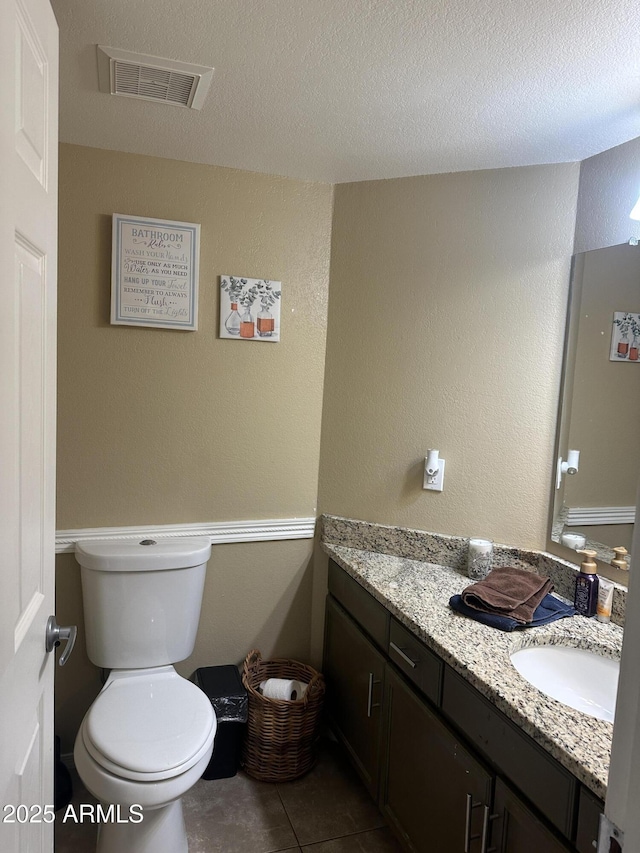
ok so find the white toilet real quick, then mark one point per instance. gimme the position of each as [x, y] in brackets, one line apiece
[148, 736]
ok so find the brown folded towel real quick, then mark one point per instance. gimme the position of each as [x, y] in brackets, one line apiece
[508, 591]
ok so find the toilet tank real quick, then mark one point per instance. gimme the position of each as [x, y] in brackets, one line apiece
[142, 599]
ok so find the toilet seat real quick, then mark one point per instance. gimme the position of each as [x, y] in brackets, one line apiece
[148, 726]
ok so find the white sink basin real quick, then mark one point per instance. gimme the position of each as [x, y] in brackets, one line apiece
[582, 679]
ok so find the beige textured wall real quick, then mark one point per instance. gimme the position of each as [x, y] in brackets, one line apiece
[609, 187]
[161, 426]
[605, 414]
[446, 323]
[446, 318]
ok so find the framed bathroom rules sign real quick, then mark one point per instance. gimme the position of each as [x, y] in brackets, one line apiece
[154, 273]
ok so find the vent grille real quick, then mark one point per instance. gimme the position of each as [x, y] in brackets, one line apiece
[152, 78]
[154, 84]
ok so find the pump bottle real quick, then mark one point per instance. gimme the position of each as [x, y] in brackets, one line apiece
[619, 561]
[586, 596]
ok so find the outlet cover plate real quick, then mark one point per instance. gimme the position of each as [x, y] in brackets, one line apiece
[435, 483]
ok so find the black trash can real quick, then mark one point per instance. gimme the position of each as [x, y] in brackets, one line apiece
[228, 695]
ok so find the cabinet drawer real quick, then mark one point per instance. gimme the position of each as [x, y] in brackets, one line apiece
[551, 788]
[418, 663]
[368, 612]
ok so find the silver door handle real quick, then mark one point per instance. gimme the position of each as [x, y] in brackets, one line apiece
[55, 634]
[468, 838]
[405, 657]
[370, 703]
[488, 817]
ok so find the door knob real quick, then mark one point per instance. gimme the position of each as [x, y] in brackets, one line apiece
[55, 634]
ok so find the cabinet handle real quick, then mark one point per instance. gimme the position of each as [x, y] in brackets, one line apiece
[370, 703]
[485, 831]
[403, 655]
[468, 838]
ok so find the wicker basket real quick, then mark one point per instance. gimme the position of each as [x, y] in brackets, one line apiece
[281, 735]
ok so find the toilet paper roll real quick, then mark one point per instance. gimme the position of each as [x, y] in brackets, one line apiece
[283, 688]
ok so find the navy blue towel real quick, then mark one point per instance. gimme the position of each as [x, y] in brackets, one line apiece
[549, 609]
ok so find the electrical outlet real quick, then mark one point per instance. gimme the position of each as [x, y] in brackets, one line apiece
[436, 482]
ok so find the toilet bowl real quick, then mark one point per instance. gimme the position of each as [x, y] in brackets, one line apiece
[145, 741]
[148, 737]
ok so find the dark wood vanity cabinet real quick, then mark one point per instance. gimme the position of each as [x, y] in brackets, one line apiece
[433, 791]
[533, 771]
[355, 670]
[450, 772]
[588, 822]
[515, 829]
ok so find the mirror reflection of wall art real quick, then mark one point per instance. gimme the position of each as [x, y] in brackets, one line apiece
[625, 337]
[249, 308]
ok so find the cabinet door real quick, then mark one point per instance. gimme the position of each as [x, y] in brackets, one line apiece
[542, 780]
[354, 672]
[516, 829]
[434, 791]
[588, 821]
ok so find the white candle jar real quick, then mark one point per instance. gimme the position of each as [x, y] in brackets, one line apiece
[479, 558]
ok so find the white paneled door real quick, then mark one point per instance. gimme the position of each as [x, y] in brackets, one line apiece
[28, 238]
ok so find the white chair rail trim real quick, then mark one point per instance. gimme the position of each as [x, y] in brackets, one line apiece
[578, 515]
[220, 532]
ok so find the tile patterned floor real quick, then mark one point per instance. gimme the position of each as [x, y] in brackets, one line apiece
[327, 811]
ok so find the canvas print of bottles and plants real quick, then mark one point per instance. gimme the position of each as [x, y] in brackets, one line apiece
[249, 308]
[625, 338]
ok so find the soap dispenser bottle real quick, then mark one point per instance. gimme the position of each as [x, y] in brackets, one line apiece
[619, 561]
[586, 597]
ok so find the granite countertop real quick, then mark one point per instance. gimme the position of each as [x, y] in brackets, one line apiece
[417, 593]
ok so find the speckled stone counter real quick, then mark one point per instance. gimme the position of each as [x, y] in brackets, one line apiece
[452, 551]
[417, 593]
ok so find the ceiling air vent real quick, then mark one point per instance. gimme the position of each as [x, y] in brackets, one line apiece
[151, 78]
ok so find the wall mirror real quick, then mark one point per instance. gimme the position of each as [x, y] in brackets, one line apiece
[599, 407]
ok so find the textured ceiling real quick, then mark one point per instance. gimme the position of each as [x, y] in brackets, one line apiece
[349, 90]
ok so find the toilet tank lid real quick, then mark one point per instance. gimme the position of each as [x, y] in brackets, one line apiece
[139, 555]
